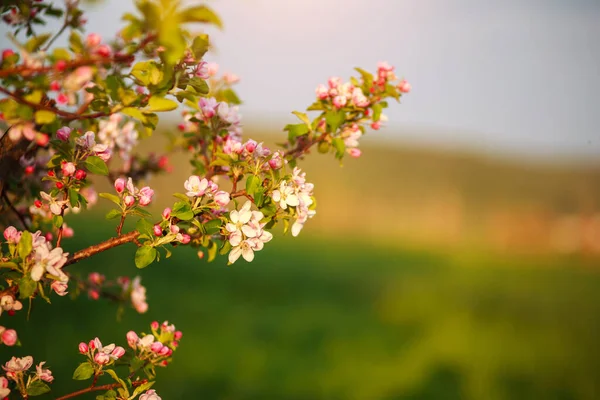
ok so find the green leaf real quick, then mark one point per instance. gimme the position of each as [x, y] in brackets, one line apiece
[61, 54]
[111, 197]
[27, 286]
[25, 244]
[259, 196]
[161, 104]
[109, 395]
[340, 147]
[143, 226]
[200, 46]
[84, 371]
[295, 130]
[213, 226]
[182, 210]
[143, 388]
[199, 85]
[36, 42]
[302, 116]
[253, 182]
[73, 197]
[44, 117]
[144, 256]
[96, 165]
[134, 112]
[37, 388]
[231, 97]
[335, 119]
[212, 251]
[146, 72]
[377, 108]
[201, 14]
[112, 214]
[57, 221]
[75, 42]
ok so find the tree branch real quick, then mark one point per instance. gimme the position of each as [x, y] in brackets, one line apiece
[100, 247]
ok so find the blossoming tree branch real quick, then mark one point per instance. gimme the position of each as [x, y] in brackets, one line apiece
[73, 115]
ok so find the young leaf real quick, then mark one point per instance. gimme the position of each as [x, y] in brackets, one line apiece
[335, 119]
[252, 184]
[83, 372]
[182, 210]
[111, 197]
[112, 214]
[161, 104]
[201, 14]
[295, 130]
[96, 165]
[37, 388]
[27, 287]
[25, 244]
[44, 117]
[144, 256]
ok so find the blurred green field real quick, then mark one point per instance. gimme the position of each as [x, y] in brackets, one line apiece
[323, 318]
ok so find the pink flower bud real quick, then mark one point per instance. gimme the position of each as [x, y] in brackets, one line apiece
[95, 278]
[222, 198]
[404, 86]
[129, 200]
[101, 358]
[146, 195]
[174, 229]
[120, 185]
[165, 351]
[118, 352]
[7, 53]
[12, 235]
[250, 145]
[62, 99]
[94, 294]
[354, 152]
[154, 325]
[93, 40]
[200, 254]
[177, 335]
[63, 133]
[376, 125]
[156, 347]
[92, 345]
[9, 337]
[339, 101]
[166, 213]
[83, 348]
[55, 86]
[132, 338]
[30, 169]
[185, 238]
[322, 92]
[68, 168]
[60, 65]
[175, 343]
[103, 50]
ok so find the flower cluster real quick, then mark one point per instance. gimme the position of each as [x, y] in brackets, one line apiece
[130, 194]
[114, 134]
[296, 193]
[246, 233]
[17, 370]
[157, 347]
[101, 355]
[9, 303]
[136, 292]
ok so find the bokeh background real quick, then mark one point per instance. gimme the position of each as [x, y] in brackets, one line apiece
[457, 259]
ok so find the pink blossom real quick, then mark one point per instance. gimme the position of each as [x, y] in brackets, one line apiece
[154, 325]
[404, 86]
[334, 82]
[93, 40]
[83, 348]
[212, 68]
[4, 391]
[322, 92]
[101, 358]
[222, 198]
[68, 168]
[250, 145]
[12, 235]
[103, 50]
[9, 337]
[202, 70]
[146, 195]
[230, 78]
[63, 133]
[18, 364]
[178, 335]
[339, 101]
[120, 185]
[354, 152]
[132, 339]
[118, 352]
[233, 146]
[156, 347]
[208, 106]
[157, 230]
[44, 374]
[166, 213]
[60, 288]
[96, 278]
[185, 238]
[150, 395]
[129, 200]
[62, 99]
[195, 187]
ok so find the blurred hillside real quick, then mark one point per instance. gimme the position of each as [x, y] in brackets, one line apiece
[442, 198]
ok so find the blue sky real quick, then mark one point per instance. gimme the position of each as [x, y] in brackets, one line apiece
[518, 77]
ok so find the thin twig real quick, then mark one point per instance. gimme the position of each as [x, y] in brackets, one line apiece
[100, 247]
